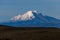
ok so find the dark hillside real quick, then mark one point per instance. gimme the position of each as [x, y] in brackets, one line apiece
[12, 33]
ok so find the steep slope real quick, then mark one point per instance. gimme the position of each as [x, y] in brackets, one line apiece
[51, 19]
[33, 19]
[30, 15]
[27, 16]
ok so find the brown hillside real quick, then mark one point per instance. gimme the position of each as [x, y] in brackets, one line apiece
[12, 33]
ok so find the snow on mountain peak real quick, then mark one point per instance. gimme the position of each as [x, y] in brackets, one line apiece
[27, 16]
[33, 19]
[35, 11]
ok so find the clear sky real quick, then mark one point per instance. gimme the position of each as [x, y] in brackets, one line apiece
[10, 8]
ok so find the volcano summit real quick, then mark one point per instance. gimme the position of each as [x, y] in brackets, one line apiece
[33, 19]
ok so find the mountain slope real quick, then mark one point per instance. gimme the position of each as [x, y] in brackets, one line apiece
[26, 16]
[33, 19]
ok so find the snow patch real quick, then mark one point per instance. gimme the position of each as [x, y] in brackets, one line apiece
[27, 16]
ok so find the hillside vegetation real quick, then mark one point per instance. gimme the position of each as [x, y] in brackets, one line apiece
[12, 33]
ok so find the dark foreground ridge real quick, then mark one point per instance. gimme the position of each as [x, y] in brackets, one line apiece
[13, 33]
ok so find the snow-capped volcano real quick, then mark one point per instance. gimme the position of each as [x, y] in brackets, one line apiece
[27, 16]
[33, 19]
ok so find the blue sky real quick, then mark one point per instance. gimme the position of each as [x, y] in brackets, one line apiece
[10, 8]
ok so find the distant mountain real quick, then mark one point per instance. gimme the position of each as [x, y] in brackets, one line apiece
[33, 19]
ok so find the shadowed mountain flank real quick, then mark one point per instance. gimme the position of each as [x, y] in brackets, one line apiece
[33, 19]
